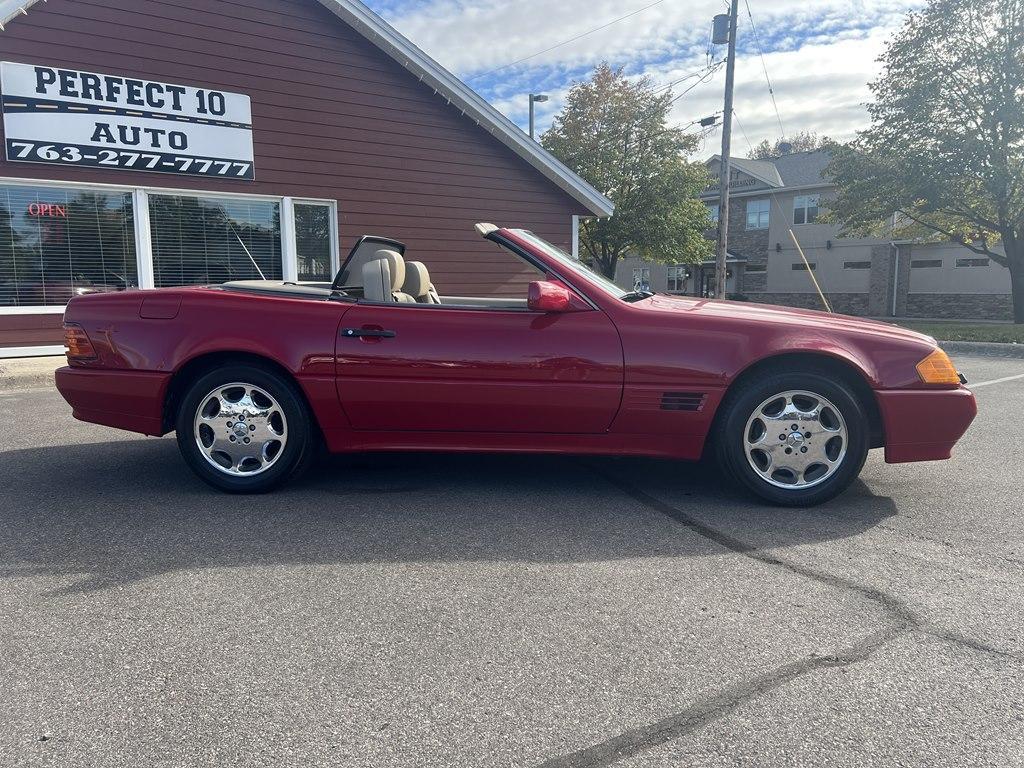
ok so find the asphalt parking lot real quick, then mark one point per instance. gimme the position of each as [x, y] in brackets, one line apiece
[405, 610]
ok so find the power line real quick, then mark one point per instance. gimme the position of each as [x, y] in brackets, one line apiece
[696, 73]
[764, 66]
[702, 79]
[566, 42]
[740, 126]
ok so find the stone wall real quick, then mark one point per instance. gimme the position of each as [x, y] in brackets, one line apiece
[956, 306]
[843, 303]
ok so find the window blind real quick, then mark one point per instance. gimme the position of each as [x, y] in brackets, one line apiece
[203, 240]
[57, 243]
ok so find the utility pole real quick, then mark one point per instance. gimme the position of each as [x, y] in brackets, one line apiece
[723, 206]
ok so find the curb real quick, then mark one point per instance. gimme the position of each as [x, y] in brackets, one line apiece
[983, 349]
[29, 373]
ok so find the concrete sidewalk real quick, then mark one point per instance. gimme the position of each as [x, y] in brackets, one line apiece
[20, 373]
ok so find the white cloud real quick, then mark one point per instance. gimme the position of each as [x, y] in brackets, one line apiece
[820, 55]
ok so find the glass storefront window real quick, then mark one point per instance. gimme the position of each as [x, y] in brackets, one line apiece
[313, 241]
[203, 240]
[56, 243]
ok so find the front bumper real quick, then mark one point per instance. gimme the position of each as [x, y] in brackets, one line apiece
[924, 425]
[131, 400]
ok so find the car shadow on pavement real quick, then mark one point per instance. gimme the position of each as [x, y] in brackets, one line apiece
[103, 515]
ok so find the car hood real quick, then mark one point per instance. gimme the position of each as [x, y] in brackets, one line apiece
[773, 314]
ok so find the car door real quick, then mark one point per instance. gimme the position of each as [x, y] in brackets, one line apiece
[415, 367]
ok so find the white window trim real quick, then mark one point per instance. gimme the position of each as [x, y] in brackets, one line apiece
[766, 211]
[805, 207]
[8, 352]
[143, 241]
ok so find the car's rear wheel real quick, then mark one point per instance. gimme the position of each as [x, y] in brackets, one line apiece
[794, 438]
[244, 429]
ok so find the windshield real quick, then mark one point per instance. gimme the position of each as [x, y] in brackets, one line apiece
[571, 265]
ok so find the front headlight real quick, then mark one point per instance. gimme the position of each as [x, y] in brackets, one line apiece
[937, 368]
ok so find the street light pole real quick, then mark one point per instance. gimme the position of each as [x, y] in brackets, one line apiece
[723, 207]
[535, 97]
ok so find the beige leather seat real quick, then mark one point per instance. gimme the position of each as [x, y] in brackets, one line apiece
[417, 283]
[384, 277]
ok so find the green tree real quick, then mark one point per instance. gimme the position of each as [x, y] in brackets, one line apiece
[613, 132]
[804, 141]
[944, 155]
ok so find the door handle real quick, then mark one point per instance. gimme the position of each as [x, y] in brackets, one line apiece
[375, 333]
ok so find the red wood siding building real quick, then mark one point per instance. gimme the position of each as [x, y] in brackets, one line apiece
[403, 148]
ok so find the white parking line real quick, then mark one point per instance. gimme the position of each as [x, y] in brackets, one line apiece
[995, 381]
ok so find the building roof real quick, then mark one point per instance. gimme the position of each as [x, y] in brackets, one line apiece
[798, 169]
[801, 169]
[371, 26]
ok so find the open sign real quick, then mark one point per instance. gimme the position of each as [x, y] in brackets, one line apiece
[50, 210]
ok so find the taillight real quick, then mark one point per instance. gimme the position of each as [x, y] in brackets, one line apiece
[76, 343]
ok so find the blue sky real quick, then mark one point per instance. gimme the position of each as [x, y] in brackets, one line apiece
[820, 54]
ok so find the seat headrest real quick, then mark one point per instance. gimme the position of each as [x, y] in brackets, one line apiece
[396, 264]
[417, 279]
[377, 281]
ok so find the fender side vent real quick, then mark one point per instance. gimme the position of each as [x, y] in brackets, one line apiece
[682, 401]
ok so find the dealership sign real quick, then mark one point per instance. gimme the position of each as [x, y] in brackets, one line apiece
[66, 117]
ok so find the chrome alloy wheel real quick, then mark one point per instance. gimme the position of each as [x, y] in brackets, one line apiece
[795, 439]
[240, 429]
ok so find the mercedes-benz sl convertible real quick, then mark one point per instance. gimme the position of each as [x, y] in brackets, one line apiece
[256, 376]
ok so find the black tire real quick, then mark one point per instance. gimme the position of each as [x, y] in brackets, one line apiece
[289, 461]
[731, 438]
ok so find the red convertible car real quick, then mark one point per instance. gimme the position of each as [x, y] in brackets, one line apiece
[254, 376]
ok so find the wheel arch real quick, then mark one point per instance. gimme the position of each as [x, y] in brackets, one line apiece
[208, 361]
[813, 360]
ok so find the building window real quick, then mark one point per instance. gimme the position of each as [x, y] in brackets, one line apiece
[56, 243]
[801, 267]
[756, 268]
[805, 209]
[925, 263]
[202, 240]
[713, 211]
[856, 265]
[314, 237]
[642, 279]
[972, 262]
[677, 278]
[757, 214]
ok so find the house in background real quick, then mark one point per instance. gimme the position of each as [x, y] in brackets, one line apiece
[859, 276]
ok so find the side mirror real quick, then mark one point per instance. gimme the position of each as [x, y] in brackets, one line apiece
[545, 296]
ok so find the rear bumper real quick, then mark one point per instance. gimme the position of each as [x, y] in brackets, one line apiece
[131, 400]
[924, 425]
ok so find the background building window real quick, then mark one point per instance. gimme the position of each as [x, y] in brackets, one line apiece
[972, 262]
[925, 263]
[57, 243]
[677, 278]
[313, 223]
[757, 214]
[805, 209]
[713, 211]
[642, 279]
[801, 267]
[755, 268]
[201, 240]
[856, 265]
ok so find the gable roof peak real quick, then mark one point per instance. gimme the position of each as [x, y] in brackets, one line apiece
[385, 37]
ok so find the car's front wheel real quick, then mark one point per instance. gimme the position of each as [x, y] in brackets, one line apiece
[244, 429]
[793, 438]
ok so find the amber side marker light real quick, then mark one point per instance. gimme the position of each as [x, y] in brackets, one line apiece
[76, 343]
[937, 368]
